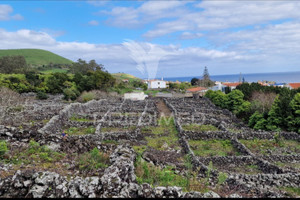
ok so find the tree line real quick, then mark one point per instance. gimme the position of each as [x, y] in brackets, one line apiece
[262, 107]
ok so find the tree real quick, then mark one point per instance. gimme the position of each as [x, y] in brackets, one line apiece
[275, 119]
[294, 118]
[235, 99]
[206, 74]
[12, 64]
[205, 82]
[194, 81]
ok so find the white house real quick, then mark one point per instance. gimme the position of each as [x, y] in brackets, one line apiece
[157, 84]
[135, 96]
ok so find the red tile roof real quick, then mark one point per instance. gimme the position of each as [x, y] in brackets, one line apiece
[232, 84]
[196, 89]
[294, 85]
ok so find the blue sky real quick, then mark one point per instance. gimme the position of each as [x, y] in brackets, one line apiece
[172, 38]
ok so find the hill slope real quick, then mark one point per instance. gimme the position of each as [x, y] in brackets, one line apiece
[36, 57]
[121, 76]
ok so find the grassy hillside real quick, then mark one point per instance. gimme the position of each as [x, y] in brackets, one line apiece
[36, 57]
[121, 76]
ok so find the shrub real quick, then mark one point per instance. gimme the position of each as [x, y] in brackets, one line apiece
[93, 160]
[87, 96]
[41, 95]
[71, 93]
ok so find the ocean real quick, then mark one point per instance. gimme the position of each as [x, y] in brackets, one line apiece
[278, 77]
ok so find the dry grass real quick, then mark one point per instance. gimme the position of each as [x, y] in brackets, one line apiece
[97, 95]
[10, 98]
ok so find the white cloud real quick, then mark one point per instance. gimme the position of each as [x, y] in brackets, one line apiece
[148, 12]
[6, 11]
[188, 35]
[115, 57]
[93, 23]
[218, 15]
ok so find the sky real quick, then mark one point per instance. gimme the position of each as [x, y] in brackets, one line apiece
[177, 38]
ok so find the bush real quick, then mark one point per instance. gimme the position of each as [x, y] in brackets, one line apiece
[41, 95]
[87, 96]
[3, 148]
[71, 93]
[93, 160]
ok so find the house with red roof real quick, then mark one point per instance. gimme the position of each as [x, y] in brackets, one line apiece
[232, 85]
[196, 90]
[293, 85]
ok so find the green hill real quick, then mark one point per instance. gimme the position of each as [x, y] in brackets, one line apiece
[36, 57]
[122, 76]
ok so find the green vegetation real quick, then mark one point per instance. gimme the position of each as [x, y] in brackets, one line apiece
[262, 146]
[92, 160]
[232, 101]
[293, 165]
[35, 153]
[80, 131]
[165, 135]
[262, 107]
[292, 191]
[36, 57]
[155, 176]
[80, 119]
[3, 148]
[212, 148]
[122, 76]
[199, 128]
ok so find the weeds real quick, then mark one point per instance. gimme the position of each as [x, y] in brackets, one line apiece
[212, 148]
[3, 149]
[92, 160]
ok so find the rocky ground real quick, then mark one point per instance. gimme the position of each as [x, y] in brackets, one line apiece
[160, 147]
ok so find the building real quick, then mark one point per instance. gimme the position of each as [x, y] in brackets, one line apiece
[232, 85]
[135, 96]
[279, 84]
[218, 86]
[293, 85]
[197, 90]
[157, 84]
[125, 81]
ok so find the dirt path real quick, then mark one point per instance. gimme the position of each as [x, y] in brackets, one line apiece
[163, 109]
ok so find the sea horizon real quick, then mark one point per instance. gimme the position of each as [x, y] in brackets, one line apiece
[278, 77]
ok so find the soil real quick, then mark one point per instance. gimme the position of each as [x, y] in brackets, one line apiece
[163, 109]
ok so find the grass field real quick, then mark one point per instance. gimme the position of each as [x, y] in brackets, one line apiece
[121, 76]
[36, 57]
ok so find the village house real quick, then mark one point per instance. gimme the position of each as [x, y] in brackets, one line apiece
[232, 85]
[293, 85]
[199, 91]
[157, 84]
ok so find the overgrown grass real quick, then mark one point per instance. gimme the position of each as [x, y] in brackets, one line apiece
[262, 146]
[81, 130]
[292, 191]
[3, 148]
[92, 160]
[293, 165]
[80, 119]
[199, 128]
[213, 148]
[35, 154]
[140, 149]
[164, 135]
[156, 176]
